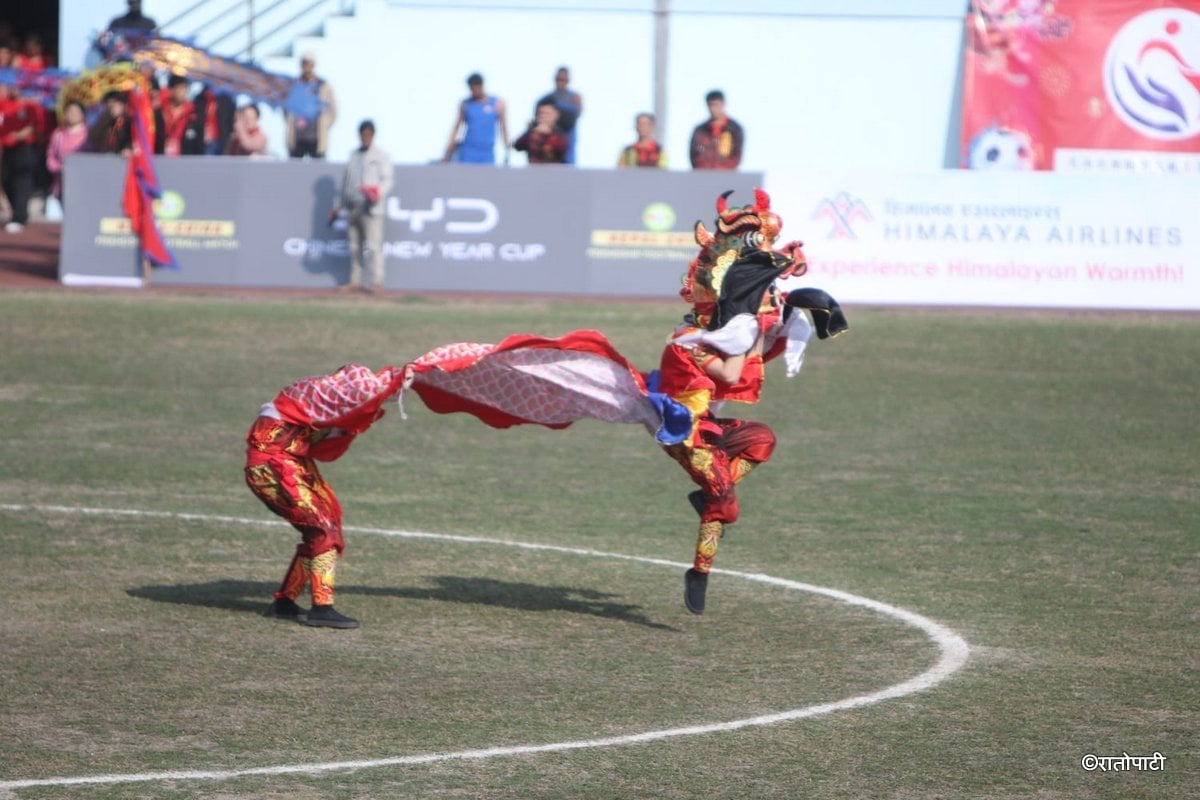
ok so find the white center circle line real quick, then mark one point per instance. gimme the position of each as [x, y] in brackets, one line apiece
[952, 656]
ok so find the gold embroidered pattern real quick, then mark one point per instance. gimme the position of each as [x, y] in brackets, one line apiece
[322, 569]
[706, 545]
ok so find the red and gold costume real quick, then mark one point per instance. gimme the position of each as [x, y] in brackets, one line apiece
[738, 311]
[314, 419]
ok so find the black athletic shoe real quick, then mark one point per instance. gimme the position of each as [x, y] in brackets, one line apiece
[694, 585]
[329, 617]
[284, 608]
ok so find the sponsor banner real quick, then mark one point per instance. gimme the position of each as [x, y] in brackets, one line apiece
[1003, 239]
[99, 246]
[642, 222]
[1046, 79]
[478, 228]
[953, 237]
[248, 222]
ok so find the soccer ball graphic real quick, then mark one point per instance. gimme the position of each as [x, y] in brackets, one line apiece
[998, 148]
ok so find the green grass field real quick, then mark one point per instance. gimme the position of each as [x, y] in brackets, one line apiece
[1029, 480]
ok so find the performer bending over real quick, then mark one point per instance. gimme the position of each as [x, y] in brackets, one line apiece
[314, 419]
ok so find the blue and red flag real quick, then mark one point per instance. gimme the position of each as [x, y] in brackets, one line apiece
[141, 184]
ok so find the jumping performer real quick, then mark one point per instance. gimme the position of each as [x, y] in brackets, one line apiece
[739, 320]
[314, 419]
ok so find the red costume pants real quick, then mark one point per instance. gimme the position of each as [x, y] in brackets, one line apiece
[722, 453]
[726, 451]
[290, 485]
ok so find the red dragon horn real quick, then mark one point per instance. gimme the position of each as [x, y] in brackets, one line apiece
[721, 202]
[762, 201]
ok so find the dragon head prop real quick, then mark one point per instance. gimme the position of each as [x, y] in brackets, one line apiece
[737, 264]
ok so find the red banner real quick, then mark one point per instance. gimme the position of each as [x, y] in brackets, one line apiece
[1044, 78]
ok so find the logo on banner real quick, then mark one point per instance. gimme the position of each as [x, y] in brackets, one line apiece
[181, 233]
[472, 215]
[170, 206]
[659, 217]
[1152, 74]
[842, 211]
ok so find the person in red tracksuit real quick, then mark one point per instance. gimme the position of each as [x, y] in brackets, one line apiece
[22, 124]
[175, 131]
[315, 419]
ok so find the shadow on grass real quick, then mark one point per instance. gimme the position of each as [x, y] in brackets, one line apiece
[253, 596]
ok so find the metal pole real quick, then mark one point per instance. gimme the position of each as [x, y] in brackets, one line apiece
[662, 29]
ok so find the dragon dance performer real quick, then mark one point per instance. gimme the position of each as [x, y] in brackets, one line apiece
[315, 419]
[740, 319]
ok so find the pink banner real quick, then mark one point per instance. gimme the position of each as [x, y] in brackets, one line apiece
[1046, 77]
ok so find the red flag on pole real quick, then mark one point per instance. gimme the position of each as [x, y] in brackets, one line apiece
[141, 184]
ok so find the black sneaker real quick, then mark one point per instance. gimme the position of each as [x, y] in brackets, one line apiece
[329, 617]
[283, 608]
[694, 585]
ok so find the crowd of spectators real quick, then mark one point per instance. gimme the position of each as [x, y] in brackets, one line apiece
[195, 119]
[24, 130]
[35, 141]
[550, 136]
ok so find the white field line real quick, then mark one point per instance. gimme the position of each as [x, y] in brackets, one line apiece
[953, 654]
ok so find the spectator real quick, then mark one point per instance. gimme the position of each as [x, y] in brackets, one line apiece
[570, 107]
[112, 132]
[31, 58]
[543, 142]
[248, 138]
[479, 116]
[133, 20]
[69, 137]
[22, 123]
[174, 121]
[6, 62]
[717, 142]
[213, 122]
[646, 151]
[365, 186]
[308, 136]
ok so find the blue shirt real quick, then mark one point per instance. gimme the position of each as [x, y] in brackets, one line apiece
[478, 145]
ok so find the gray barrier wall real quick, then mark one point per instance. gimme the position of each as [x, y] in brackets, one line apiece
[247, 222]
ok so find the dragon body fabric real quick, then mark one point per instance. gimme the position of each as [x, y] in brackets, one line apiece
[551, 382]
